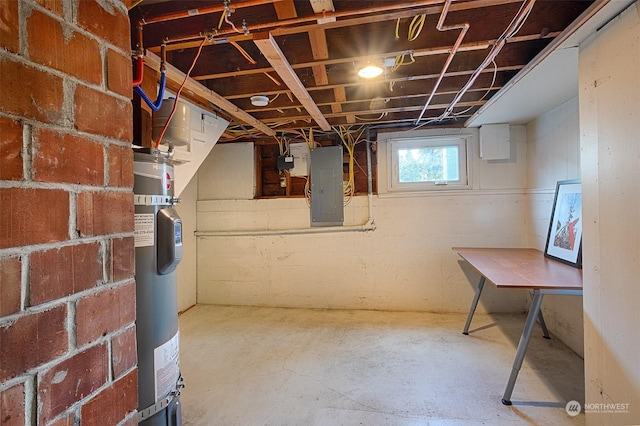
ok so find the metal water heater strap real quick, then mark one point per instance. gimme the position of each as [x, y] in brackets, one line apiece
[163, 403]
[154, 200]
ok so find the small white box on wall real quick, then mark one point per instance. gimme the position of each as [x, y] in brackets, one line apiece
[301, 153]
[495, 142]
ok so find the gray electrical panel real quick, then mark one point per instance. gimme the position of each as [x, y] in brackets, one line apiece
[327, 208]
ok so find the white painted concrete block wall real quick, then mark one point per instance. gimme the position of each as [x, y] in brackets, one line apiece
[405, 264]
[553, 154]
[610, 144]
[186, 271]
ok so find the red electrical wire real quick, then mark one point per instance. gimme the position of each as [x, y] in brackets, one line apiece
[175, 103]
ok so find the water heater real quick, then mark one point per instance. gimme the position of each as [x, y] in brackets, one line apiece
[158, 245]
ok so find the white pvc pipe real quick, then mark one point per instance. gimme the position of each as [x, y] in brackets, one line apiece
[369, 226]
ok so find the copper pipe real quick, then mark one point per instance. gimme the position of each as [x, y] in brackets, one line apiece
[139, 45]
[306, 19]
[497, 47]
[203, 11]
[139, 74]
[464, 27]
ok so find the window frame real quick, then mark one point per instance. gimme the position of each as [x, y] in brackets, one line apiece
[464, 158]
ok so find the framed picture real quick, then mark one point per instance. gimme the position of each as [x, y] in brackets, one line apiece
[564, 240]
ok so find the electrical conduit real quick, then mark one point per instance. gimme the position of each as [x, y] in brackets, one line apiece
[464, 27]
[511, 30]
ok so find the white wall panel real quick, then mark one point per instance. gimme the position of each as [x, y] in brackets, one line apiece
[610, 143]
[553, 154]
[186, 270]
[228, 173]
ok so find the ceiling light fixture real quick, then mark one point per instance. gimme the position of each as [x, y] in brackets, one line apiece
[370, 71]
[259, 100]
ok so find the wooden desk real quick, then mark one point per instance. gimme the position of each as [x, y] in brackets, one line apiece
[524, 269]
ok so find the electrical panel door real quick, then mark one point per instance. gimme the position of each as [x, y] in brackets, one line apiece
[327, 208]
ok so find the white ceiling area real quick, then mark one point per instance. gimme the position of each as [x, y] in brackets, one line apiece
[553, 77]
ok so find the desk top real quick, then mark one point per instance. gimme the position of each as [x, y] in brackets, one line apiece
[521, 268]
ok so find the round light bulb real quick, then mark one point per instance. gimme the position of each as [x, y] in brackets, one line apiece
[370, 71]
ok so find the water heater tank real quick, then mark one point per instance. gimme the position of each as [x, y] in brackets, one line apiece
[179, 129]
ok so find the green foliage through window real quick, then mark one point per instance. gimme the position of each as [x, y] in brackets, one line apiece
[428, 164]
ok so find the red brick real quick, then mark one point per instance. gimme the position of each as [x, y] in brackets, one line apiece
[55, 6]
[119, 73]
[63, 49]
[102, 114]
[10, 149]
[120, 166]
[73, 379]
[61, 272]
[60, 157]
[113, 404]
[33, 216]
[10, 285]
[103, 313]
[30, 93]
[31, 341]
[12, 406]
[9, 27]
[122, 259]
[106, 21]
[68, 420]
[124, 352]
[101, 213]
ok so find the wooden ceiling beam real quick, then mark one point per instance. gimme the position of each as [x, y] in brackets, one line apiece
[512, 68]
[369, 18]
[177, 76]
[379, 111]
[440, 50]
[271, 51]
[339, 110]
[285, 9]
[292, 26]
[320, 51]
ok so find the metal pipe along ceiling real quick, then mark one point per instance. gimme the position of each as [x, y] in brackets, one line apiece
[509, 32]
[513, 28]
[204, 10]
[312, 18]
[463, 27]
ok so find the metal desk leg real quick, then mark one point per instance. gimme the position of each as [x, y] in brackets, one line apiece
[522, 345]
[545, 332]
[473, 305]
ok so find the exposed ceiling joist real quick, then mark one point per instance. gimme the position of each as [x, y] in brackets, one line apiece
[316, 46]
[271, 51]
[318, 41]
[285, 9]
[320, 6]
[177, 76]
[432, 51]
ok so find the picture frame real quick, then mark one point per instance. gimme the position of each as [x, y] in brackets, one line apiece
[564, 239]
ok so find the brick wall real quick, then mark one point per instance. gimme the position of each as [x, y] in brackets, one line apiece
[67, 291]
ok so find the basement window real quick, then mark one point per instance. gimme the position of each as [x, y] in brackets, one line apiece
[428, 163]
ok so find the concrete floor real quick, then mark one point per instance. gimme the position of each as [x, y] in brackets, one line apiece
[269, 366]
